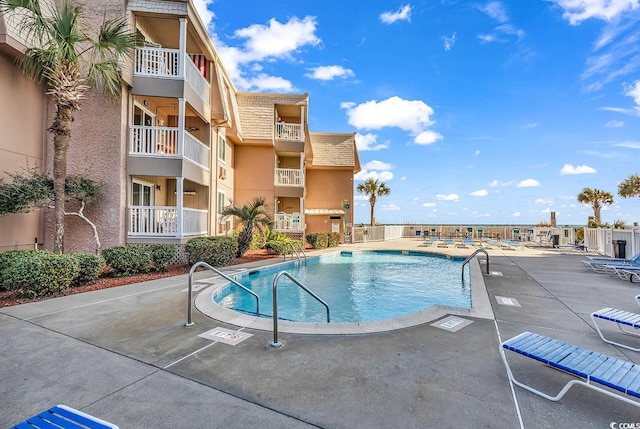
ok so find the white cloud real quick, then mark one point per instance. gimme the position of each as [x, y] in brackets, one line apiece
[479, 193]
[449, 197]
[330, 73]
[449, 42]
[402, 14]
[528, 183]
[390, 207]
[614, 124]
[530, 125]
[579, 169]
[495, 10]
[383, 176]
[476, 153]
[516, 214]
[369, 142]
[413, 116]
[377, 165]
[628, 145]
[427, 205]
[495, 183]
[634, 91]
[206, 15]
[274, 41]
[264, 82]
[576, 11]
[546, 201]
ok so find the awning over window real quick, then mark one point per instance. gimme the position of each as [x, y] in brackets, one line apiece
[324, 212]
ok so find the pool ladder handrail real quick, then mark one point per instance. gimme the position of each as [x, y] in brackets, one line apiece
[224, 276]
[275, 342]
[293, 244]
[466, 261]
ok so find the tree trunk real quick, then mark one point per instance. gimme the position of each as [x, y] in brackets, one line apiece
[61, 130]
[244, 240]
[596, 213]
[373, 221]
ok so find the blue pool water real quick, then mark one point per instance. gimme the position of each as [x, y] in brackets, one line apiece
[362, 286]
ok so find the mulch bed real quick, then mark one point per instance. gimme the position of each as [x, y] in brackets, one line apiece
[8, 298]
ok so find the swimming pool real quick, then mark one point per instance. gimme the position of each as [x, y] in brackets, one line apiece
[357, 286]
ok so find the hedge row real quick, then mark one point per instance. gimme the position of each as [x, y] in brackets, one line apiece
[322, 240]
[33, 273]
[215, 251]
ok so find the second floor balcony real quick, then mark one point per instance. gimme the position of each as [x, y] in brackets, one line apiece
[166, 63]
[289, 132]
[289, 177]
[166, 221]
[168, 142]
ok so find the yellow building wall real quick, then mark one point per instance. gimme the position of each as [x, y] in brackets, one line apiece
[328, 189]
[22, 121]
[254, 169]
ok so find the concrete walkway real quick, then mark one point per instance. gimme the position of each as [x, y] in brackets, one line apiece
[124, 355]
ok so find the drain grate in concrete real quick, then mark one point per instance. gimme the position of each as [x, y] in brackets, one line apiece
[503, 300]
[226, 336]
[452, 323]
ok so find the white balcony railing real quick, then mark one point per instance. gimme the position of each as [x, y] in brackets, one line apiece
[196, 151]
[161, 221]
[158, 62]
[289, 177]
[153, 220]
[285, 222]
[287, 131]
[196, 81]
[163, 142]
[154, 140]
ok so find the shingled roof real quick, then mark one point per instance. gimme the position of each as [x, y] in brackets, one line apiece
[334, 150]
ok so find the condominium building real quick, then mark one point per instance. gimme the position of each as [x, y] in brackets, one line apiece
[180, 144]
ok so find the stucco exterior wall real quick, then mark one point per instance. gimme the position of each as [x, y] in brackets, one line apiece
[254, 167]
[22, 119]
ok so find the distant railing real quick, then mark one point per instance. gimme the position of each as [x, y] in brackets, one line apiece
[287, 131]
[195, 79]
[362, 234]
[195, 150]
[288, 222]
[159, 62]
[289, 177]
[194, 221]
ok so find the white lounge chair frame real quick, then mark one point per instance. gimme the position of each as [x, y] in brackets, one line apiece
[589, 366]
[624, 319]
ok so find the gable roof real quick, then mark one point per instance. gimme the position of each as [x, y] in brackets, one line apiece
[334, 150]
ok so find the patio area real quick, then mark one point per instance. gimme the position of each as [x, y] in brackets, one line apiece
[125, 356]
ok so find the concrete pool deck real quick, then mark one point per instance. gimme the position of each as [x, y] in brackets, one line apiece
[124, 355]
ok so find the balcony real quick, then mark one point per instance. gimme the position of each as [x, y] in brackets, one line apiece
[289, 177]
[164, 142]
[165, 64]
[284, 222]
[289, 132]
[165, 221]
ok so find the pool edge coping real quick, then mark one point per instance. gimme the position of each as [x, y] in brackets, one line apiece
[480, 309]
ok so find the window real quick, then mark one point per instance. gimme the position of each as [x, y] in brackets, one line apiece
[221, 201]
[222, 148]
[142, 194]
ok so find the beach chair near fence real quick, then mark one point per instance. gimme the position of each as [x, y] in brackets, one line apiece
[614, 377]
[63, 417]
[430, 242]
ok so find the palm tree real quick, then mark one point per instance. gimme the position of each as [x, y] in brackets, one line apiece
[596, 198]
[68, 62]
[373, 189]
[252, 215]
[629, 187]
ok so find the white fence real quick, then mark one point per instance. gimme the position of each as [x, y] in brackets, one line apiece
[605, 241]
[363, 234]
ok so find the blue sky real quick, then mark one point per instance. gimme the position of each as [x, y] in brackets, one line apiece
[472, 112]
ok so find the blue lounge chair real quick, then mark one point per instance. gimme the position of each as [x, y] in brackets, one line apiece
[628, 323]
[430, 242]
[604, 259]
[447, 242]
[63, 417]
[593, 369]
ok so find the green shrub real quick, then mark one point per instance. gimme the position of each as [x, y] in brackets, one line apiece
[7, 259]
[318, 240]
[128, 260]
[36, 273]
[333, 239]
[215, 251]
[162, 254]
[91, 268]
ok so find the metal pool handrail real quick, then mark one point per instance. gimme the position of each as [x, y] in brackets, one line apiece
[293, 244]
[466, 261]
[210, 268]
[275, 342]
